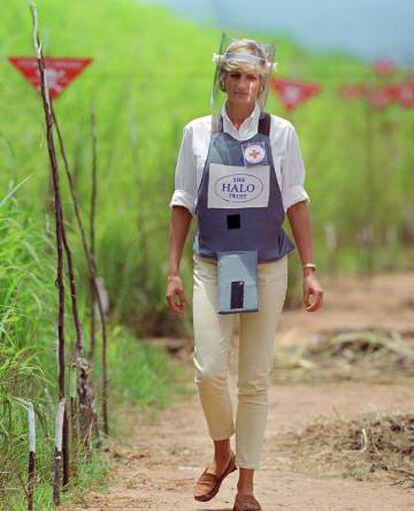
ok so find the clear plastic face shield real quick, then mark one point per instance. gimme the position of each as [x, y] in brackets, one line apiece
[243, 69]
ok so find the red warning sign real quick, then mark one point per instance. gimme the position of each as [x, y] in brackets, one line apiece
[60, 72]
[293, 92]
[404, 94]
[381, 96]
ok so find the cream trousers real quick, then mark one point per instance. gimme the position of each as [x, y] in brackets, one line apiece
[212, 343]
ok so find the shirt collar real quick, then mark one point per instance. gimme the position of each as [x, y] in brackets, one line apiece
[248, 127]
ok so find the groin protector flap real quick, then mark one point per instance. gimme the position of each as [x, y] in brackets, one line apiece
[237, 281]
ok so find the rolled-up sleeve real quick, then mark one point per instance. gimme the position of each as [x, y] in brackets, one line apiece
[185, 174]
[293, 172]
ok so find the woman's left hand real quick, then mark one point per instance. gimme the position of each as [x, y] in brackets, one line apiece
[312, 288]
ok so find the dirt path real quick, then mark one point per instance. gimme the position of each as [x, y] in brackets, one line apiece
[157, 466]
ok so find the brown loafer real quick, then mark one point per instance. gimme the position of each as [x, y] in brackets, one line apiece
[246, 503]
[209, 484]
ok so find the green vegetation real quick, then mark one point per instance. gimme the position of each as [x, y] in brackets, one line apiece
[140, 374]
[151, 75]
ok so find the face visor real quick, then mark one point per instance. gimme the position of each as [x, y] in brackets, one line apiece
[241, 54]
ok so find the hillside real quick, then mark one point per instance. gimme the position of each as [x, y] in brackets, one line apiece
[151, 74]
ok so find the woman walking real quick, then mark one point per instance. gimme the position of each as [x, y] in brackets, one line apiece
[240, 172]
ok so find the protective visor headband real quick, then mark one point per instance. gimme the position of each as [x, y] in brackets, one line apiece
[245, 57]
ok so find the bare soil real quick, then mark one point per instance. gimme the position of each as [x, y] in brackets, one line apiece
[158, 463]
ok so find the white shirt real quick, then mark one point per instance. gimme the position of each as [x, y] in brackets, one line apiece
[284, 143]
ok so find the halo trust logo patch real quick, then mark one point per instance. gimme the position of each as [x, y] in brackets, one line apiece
[254, 154]
[238, 187]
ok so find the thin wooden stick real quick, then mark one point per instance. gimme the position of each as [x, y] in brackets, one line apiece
[87, 404]
[78, 360]
[74, 421]
[92, 214]
[58, 224]
[93, 273]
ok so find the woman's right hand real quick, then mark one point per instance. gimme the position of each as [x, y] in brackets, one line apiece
[175, 290]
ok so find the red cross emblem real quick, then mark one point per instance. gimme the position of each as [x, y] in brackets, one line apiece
[254, 153]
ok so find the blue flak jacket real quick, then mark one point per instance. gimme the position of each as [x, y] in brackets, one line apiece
[240, 214]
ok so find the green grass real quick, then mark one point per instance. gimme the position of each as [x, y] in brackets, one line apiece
[94, 474]
[151, 74]
[142, 377]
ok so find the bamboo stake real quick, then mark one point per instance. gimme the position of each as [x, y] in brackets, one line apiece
[87, 405]
[78, 359]
[92, 214]
[32, 456]
[74, 420]
[92, 271]
[92, 282]
[58, 224]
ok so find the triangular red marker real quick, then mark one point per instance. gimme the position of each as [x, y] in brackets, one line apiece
[60, 72]
[404, 94]
[293, 92]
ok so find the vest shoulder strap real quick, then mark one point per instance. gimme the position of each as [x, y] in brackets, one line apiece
[217, 123]
[264, 124]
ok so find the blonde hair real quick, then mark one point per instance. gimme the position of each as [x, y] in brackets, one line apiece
[244, 46]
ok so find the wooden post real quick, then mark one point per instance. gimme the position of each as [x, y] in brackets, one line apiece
[58, 224]
[93, 274]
